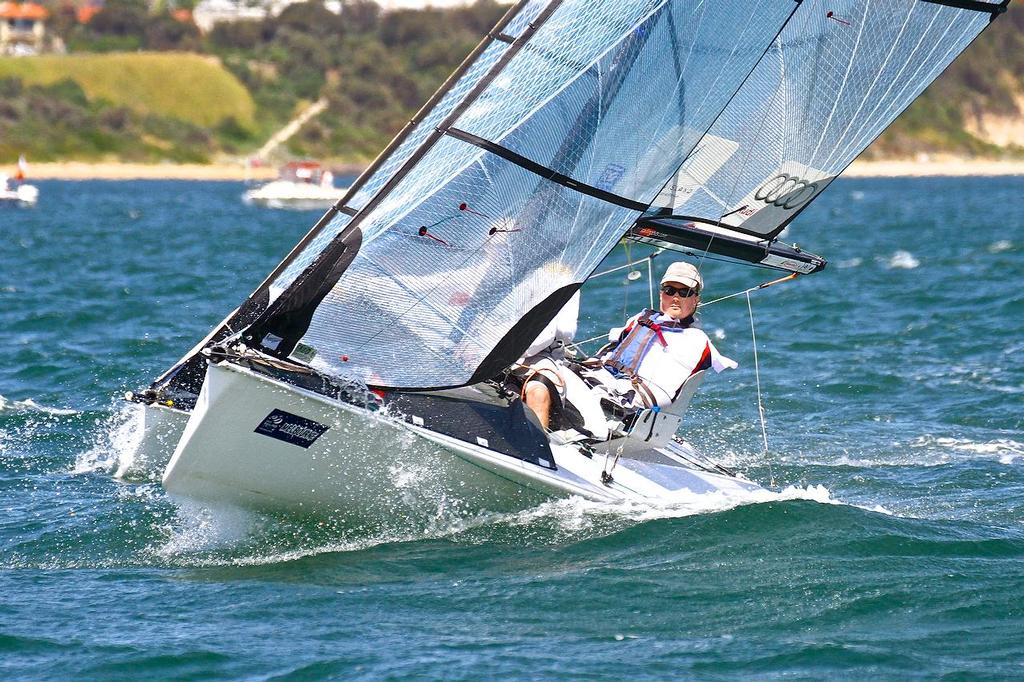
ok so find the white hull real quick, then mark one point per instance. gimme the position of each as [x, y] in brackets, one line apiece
[371, 467]
[300, 196]
[161, 428]
[22, 195]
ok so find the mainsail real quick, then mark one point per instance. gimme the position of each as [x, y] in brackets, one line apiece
[573, 121]
[445, 273]
[521, 191]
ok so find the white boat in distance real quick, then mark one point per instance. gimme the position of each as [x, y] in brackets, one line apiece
[17, 193]
[367, 377]
[301, 185]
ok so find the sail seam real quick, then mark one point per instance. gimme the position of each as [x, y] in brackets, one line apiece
[543, 171]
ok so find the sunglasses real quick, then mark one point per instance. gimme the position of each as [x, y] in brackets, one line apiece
[684, 292]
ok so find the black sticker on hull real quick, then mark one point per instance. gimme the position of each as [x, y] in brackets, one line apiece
[291, 428]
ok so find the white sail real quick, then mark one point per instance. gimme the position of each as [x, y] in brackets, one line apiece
[547, 161]
[838, 74]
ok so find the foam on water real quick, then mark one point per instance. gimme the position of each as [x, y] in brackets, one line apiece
[202, 535]
[114, 442]
[30, 405]
[901, 260]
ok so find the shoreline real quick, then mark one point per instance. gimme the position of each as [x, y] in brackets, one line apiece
[80, 170]
[76, 170]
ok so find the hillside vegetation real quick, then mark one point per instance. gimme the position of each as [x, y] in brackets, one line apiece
[245, 80]
[966, 110]
[187, 87]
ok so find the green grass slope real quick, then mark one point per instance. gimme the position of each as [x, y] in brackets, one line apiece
[188, 87]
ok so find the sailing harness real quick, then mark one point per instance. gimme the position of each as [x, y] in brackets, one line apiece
[636, 342]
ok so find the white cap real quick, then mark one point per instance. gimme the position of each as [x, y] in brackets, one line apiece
[685, 274]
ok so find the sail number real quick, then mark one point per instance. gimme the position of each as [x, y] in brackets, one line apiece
[786, 191]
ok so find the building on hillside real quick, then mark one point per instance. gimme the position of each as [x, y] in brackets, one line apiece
[391, 5]
[207, 13]
[22, 28]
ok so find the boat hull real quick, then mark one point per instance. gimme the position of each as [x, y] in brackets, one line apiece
[161, 429]
[365, 466]
[298, 196]
[22, 195]
[258, 442]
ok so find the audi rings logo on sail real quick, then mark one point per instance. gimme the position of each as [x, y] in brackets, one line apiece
[786, 191]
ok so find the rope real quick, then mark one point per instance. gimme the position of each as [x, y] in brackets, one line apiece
[760, 403]
[623, 267]
[762, 285]
[650, 279]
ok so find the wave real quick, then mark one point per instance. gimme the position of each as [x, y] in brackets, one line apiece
[901, 260]
[115, 440]
[202, 535]
[30, 405]
[931, 451]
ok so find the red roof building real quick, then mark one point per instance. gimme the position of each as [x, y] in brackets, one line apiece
[22, 27]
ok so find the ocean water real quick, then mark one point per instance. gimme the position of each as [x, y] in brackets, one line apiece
[890, 545]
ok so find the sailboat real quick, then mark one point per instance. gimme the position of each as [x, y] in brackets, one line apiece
[364, 377]
[17, 192]
[300, 185]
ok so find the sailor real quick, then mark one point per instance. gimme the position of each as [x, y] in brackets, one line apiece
[651, 359]
[542, 366]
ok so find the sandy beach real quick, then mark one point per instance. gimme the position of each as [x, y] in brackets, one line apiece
[74, 170]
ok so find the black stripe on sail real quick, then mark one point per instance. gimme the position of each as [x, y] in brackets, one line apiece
[973, 5]
[544, 171]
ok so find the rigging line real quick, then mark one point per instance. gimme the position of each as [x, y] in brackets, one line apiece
[625, 295]
[763, 285]
[650, 279]
[760, 403]
[623, 267]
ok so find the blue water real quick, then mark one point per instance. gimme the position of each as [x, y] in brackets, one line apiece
[892, 545]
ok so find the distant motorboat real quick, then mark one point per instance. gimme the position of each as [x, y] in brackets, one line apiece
[301, 185]
[17, 193]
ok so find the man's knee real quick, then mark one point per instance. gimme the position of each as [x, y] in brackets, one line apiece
[537, 394]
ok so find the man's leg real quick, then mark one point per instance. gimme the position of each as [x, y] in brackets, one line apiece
[538, 399]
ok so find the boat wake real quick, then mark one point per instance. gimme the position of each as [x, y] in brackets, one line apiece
[30, 405]
[205, 536]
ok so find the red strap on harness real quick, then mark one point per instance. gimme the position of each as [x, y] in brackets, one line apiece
[656, 328]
